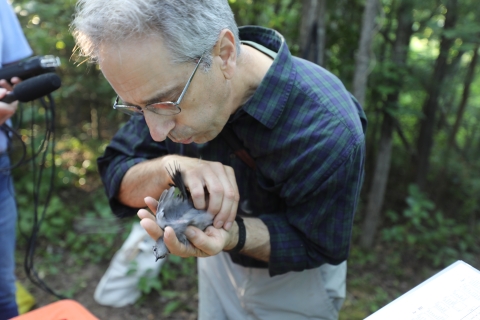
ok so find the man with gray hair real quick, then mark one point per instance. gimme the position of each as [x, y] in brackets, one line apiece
[255, 131]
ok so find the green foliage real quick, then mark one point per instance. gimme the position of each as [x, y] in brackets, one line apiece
[85, 94]
[148, 281]
[177, 267]
[366, 292]
[169, 286]
[64, 219]
[281, 15]
[425, 233]
[147, 284]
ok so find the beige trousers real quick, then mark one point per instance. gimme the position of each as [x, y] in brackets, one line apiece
[230, 291]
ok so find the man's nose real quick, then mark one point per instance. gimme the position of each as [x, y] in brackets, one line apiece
[159, 125]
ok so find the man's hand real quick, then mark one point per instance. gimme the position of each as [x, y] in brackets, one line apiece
[7, 110]
[219, 181]
[4, 83]
[212, 185]
[203, 243]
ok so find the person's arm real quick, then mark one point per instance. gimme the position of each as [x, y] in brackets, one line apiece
[147, 178]
[134, 167]
[313, 232]
[318, 229]
[257, 243]
[14, 45]
[310, 233]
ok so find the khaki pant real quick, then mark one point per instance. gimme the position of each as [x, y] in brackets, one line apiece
[230, 291]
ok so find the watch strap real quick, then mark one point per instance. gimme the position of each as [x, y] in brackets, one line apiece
[242, 235]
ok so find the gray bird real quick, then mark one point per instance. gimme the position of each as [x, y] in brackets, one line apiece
[175, 209]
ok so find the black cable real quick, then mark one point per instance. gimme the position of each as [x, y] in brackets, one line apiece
[47, 145]
[15, 134]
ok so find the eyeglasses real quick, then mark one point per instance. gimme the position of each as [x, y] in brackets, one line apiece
[166, 108]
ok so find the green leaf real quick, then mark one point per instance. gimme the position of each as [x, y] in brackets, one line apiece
[171, 307]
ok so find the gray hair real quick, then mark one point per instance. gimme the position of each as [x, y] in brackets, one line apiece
[189, 28]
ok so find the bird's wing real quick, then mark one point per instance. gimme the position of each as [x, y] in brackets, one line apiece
[171, 206]
[175, 207]
[163, 203]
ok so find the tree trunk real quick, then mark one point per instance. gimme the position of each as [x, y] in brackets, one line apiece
[362, 60]
[430, 106]
[466, 93]
[453, 70]
[312, 31]
[468, 149]
[321, 32]
[379, 184]
[382, 165]
[94, 123]
[442, 182]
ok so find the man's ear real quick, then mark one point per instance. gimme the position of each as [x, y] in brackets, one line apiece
[226, 52]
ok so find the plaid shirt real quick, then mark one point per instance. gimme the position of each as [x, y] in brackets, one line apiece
[306, 135]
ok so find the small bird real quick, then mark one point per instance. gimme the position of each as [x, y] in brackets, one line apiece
[175, 209]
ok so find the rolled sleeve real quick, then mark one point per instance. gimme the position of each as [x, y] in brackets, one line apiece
[318, 229]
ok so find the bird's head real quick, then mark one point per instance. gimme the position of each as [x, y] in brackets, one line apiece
[160, 250]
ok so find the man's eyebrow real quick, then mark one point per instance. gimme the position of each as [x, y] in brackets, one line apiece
[159, 96]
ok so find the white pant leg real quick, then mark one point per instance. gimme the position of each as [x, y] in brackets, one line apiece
[218, 298]
[230, 291]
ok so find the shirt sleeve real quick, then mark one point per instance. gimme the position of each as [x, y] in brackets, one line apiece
[318, 229]
[318, 172]
[131, 145]
[13, 44]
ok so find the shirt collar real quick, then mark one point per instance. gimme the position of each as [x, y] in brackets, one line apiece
[267, 103]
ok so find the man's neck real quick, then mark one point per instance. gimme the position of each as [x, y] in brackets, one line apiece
[252, 65]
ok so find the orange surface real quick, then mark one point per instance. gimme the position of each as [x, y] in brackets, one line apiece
[60, 310]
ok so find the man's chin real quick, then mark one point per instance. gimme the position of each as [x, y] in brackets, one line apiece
[185, 141]
[197, 139]
[203, 139]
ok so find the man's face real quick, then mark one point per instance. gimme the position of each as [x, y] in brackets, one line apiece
[141, 73]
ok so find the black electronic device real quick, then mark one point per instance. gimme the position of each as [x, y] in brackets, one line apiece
[30, 67]
[33, 88]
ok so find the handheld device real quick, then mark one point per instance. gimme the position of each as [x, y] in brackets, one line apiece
[30, 67]
[34, 88]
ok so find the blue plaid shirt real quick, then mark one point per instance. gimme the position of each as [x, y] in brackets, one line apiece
[306, 135]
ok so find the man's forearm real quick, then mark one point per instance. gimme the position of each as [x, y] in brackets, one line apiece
[257, 244]
[148, 178]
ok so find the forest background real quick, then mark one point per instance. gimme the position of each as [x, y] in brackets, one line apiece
[412, 65]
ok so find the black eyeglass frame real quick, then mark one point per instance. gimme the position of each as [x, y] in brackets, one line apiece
[168, 107]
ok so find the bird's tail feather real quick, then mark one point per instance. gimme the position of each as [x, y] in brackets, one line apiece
[177, 179]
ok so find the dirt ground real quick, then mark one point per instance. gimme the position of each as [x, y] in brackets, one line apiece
[86, 279]
[369, 287]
